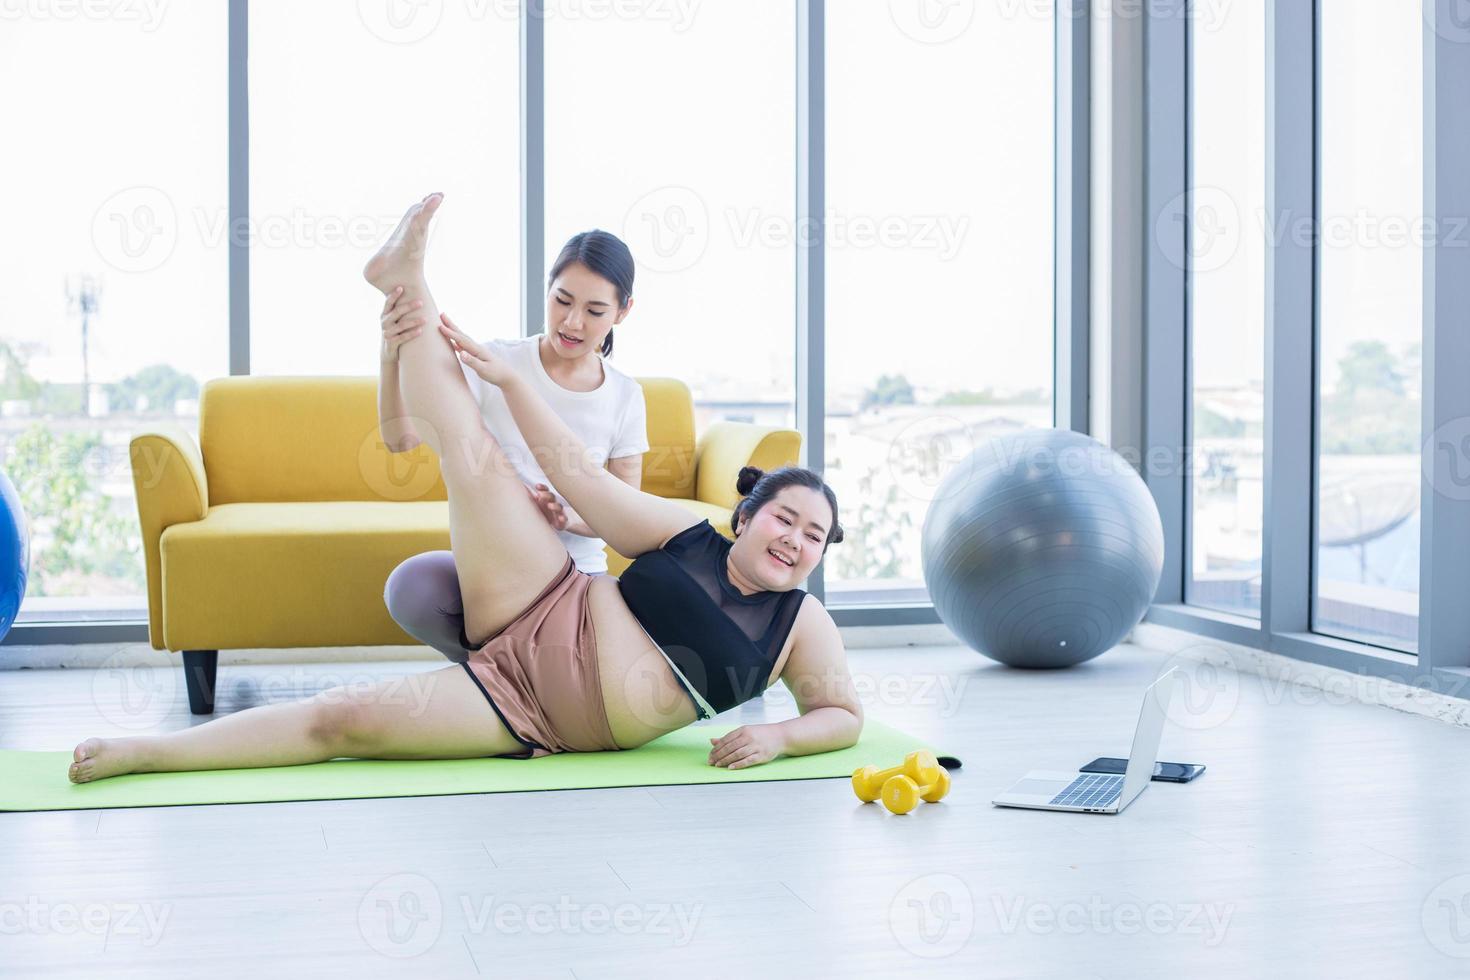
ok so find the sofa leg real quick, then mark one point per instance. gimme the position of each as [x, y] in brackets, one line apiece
[199, 670]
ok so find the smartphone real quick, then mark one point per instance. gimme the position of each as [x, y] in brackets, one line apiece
[1164, 772]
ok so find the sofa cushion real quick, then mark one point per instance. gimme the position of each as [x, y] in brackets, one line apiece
[292, 574]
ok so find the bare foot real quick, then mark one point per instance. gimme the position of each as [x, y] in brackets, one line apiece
[98, 758]
[401, 259]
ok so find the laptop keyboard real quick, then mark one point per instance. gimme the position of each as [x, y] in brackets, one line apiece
[1091, 789]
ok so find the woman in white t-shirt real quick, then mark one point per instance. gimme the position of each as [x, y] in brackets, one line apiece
[589, 291]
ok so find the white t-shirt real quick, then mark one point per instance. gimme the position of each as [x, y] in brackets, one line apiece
[611, 421]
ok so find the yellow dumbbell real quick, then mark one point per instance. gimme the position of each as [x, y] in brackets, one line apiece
[901, 793]
[921, 767]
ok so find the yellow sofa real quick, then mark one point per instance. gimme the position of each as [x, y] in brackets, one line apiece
[281, 525]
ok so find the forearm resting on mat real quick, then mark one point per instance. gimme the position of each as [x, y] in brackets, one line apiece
[824, 729]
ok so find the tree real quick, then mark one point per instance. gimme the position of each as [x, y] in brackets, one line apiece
[160, 384]
[86, 538]
[15, 383]
[1369, 365]
[1371, 412]
[891, 389]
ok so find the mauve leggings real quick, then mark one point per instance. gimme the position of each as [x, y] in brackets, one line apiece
[423, 597]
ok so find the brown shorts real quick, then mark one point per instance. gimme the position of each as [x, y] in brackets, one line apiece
[540, 672]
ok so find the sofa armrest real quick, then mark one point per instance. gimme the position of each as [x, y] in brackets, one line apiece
[170, 487]
[725, 447]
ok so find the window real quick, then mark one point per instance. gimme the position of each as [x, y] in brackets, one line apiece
[116, 309]
[939, 263]
[1227, 306]
[1370, 267]
[674, 129]
[354, 115]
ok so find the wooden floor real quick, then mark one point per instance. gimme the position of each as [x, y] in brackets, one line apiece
[1326, 839]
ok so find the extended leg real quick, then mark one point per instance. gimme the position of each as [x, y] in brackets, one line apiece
[504, 551]
[440, 714]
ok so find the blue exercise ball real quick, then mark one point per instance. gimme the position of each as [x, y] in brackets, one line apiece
[15, 555]
[1042, 548]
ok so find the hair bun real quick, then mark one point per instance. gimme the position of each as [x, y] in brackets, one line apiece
[748, 478]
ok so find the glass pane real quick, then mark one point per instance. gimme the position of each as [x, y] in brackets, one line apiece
[1371, 267]
[357, 111]
[674, 129]
[939, 264]
[116, 306]
[1227, 268]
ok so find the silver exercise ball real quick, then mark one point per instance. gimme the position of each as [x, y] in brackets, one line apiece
[1042, 548]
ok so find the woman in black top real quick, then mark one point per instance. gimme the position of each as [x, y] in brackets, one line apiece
[701, 623]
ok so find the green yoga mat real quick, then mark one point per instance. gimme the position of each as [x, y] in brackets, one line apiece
[37, 780]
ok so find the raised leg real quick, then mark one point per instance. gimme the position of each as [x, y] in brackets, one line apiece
[199, 674]
[504, 551]
[440, 714]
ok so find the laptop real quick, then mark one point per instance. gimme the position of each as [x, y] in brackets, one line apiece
[1096, 792]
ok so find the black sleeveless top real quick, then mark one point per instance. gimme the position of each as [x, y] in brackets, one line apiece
[725, 643]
